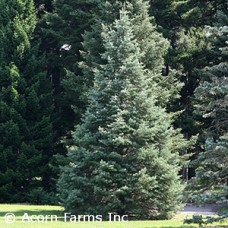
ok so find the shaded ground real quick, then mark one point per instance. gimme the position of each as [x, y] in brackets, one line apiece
[210, 209]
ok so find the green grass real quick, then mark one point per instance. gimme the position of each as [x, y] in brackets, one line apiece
[20, 210]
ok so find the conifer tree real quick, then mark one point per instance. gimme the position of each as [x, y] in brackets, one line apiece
[211, 95]
[124, 156]
[39, 118]
[188, 52]
[70, 63]
[154, 47]
[61, 39]
[25, 106]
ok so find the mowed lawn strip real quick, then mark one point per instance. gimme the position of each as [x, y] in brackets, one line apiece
[49, 220]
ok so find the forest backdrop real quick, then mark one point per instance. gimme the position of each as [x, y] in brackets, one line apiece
[104, 103]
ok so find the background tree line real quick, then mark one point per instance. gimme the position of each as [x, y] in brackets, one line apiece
[55, 65]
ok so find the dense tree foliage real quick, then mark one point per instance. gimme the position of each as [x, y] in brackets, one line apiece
[126, 137]
[183, 23]
[211, 95]
[93, 47]
[62, 37]
[25, 106]
[67, 63]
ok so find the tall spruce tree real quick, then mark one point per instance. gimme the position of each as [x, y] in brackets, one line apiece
[154, 49]
[78, 77]
[124, 156]
[210, 183]
[25, 106]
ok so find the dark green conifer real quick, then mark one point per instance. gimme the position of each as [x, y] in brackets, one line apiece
[210, 182]
[25, 106]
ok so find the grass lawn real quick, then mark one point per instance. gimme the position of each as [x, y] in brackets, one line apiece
[53, 216]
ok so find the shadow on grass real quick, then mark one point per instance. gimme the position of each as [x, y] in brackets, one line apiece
[34, 212]
[19, 213]
[49, 215]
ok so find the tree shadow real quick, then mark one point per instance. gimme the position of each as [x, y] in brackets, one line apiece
[21, 212]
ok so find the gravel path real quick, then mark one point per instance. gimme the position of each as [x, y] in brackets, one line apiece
[210, 209]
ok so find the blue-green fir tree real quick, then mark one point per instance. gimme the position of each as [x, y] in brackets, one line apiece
[144, 27]
[210, 183]
[125, 154]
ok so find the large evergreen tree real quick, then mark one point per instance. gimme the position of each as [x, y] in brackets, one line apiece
[69, 20]
[153, 47]
[188, 52]
[124, 156]
[25, 106]
[60, 31]
[211, 178]
[72, 19]
[61, 35]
